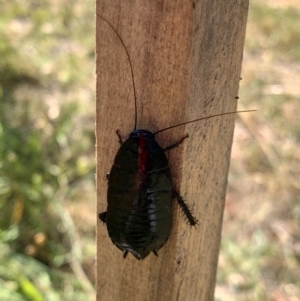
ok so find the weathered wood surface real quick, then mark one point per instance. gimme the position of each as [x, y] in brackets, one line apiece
[186, 57]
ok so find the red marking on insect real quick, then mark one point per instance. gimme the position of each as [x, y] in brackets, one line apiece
[143, 162]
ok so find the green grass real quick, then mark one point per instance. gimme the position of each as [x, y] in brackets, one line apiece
[47, 150]
[274, 31]
[259, 258]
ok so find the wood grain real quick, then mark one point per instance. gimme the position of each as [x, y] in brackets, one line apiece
[186, 58]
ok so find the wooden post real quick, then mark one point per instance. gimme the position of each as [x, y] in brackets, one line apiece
[186, 58]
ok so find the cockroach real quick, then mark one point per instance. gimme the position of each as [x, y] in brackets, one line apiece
[139, 213]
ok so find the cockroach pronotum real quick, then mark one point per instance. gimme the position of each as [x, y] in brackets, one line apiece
[139, 213]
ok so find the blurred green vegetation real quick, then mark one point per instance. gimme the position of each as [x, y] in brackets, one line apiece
[46, 149]
[47, 89]
[260, 255]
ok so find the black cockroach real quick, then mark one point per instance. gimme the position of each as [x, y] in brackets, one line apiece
[139, 211]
